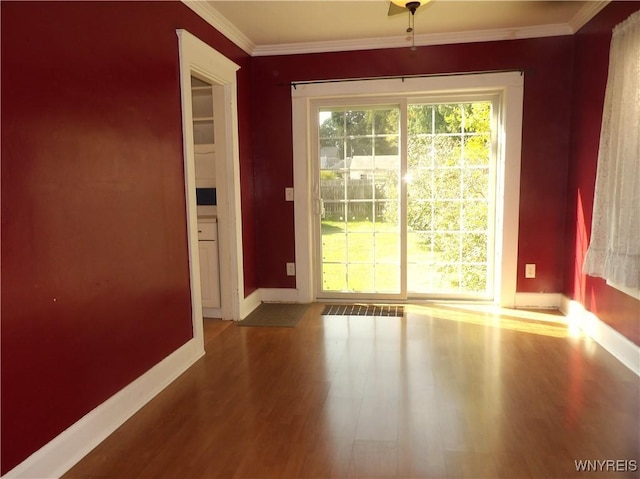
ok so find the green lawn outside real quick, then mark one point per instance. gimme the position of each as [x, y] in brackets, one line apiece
[364, 239]
[344, 244]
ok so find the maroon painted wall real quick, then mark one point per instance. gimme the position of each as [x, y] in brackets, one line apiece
[95, 279]
[545, 143]
[94, 256]
[592, 42]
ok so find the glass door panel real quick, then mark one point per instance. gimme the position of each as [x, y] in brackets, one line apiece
[449, 193]
[359, 191]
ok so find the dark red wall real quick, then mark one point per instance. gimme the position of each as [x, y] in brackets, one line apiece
[94, 255]
[592, 42]
[95, 279]
[547, 100]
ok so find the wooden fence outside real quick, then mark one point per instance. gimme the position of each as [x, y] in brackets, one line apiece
[355, 199]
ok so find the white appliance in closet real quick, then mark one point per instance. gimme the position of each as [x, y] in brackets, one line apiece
[209, 269]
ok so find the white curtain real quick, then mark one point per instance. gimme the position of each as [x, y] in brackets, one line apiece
[614, 251]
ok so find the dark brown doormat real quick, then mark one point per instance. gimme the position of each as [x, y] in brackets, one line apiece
[363, 310]
[282, 315]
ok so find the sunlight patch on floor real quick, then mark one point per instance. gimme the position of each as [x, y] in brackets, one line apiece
[542, 322]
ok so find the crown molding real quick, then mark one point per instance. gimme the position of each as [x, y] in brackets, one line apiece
[586, 13]
[214, 18]
[420, 40]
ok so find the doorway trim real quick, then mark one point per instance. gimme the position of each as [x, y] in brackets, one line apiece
[510, 87]
[199, 59]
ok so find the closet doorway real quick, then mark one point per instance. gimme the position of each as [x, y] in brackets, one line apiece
[197, 59]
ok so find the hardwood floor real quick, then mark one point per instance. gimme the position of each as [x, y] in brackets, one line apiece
[447, 392]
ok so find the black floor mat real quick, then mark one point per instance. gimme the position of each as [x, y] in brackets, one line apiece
[363, 310]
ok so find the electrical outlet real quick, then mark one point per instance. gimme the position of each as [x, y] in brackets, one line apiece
[291, 269]
[530, 270]
[288, 194]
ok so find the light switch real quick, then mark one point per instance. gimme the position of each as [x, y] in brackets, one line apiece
[291, 269]
[530, 270]
[288, 194]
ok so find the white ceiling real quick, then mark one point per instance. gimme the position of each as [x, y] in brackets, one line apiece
[266, 27]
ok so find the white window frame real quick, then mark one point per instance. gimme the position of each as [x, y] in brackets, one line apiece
[510, 88]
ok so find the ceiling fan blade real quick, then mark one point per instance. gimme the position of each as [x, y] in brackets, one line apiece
[395, 9]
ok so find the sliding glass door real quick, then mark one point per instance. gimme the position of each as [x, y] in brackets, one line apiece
[407, 199]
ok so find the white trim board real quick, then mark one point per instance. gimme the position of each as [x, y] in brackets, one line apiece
[211, 313]
[214, 18]
[509, 86]
[538, 300]
[624, 350]
[250, 303]
[425, 39]
[281, 295]
[522, 300]
[586, 13]
[199, 59]
[64, 451]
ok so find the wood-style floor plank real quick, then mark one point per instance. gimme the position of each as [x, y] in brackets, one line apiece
[446, 392]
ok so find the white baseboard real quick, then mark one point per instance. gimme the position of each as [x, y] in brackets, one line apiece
[538, 300]
[522, 300]
[624, 350]
[59, 455]
[249, 303]
[211, 313]
[279, 295]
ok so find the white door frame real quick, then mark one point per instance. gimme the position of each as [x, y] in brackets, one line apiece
[199, 59]
[509, 85]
